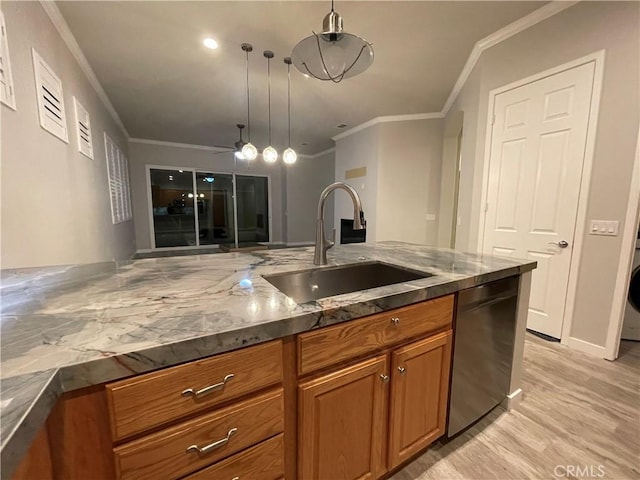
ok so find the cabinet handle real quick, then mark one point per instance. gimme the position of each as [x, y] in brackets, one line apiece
[209, 389]
[384, 378]
[214, 445]
[402, 370]
[395, 320]
[235, 478]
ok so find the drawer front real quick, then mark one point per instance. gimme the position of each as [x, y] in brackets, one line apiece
[161, 395]
[262, 462]
[171, 453]
[332, 345]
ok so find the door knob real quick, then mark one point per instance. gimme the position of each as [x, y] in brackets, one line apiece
[561, 243]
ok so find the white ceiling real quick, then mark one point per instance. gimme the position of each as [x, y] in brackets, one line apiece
[166, 86]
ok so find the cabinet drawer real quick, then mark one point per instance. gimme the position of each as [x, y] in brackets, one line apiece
[167, 454]
[262, 462]
[332, 345]
[139, 403]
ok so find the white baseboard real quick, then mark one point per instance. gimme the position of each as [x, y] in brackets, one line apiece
[513, 400]
[586, 347]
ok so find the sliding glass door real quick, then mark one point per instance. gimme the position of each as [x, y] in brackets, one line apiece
[252, 194]
[193, 208]
[174, 221]
[215, 208]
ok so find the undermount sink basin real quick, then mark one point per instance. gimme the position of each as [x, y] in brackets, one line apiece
[306, 285]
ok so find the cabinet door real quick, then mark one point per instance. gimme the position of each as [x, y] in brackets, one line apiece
[419, 390]
[342, 423]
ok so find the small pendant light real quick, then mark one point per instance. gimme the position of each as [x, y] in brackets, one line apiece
[269, 154]
[249, 151]
[289, 156]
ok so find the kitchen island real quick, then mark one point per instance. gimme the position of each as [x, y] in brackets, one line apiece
[150, 314]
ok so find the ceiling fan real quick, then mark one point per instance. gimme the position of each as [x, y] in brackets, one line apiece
[237, 146]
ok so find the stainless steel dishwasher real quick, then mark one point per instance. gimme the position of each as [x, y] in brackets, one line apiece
[483, 351]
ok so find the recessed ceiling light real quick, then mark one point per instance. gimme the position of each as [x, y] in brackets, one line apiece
[210, 43]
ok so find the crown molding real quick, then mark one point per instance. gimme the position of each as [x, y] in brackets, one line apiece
[533, 18]
[389, 118]
[162, 143]
[320, 154]
[54, 14]
[480, 46]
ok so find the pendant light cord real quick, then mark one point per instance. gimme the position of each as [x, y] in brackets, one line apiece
[248, 103]
[269, 75]
[289, 99]
[332, 5]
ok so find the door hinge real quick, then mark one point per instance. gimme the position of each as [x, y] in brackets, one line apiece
[493, 119]
[486, 207]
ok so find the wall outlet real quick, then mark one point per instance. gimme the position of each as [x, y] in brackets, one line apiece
[430, 217]
[604, 227]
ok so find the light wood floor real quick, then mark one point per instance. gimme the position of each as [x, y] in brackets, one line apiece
[577, 410]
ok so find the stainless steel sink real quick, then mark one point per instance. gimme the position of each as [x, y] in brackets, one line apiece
[306, 285]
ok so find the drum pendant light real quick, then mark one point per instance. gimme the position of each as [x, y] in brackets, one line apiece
[249, 151]
[269, 154]
[289, 156]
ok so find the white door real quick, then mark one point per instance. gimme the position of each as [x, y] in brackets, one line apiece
[535, 168]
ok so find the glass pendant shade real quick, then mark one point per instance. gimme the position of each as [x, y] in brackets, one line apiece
[249, 151]
[289, 156]
[332, 55]
[270, 154]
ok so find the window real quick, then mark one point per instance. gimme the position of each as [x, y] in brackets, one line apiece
[83, 129]
[119, 187]
[7, 95]
[50, 99]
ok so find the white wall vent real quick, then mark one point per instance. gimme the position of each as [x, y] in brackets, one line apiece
[50, 99]
[119, 186]
[83, 129]
[7, 94]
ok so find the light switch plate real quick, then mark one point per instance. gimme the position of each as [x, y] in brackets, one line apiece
[430, 217]
[604, 227]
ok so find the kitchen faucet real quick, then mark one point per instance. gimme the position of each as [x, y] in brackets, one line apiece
[322, 244]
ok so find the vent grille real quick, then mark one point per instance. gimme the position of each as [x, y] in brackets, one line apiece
[7, 95]
[50, 99]
[119, 185]
[83, 129]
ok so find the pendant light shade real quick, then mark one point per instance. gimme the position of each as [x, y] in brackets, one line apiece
[333, 54]
[289, 156]
[249, 151]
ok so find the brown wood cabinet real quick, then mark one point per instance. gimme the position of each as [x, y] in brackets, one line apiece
[347, 402]
[419, 387]
[342, 419]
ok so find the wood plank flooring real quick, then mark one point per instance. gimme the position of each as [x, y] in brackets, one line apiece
[577, 411]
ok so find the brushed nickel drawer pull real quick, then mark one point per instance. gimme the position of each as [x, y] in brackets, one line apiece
[395, 320]
[209, 389]
[214, 445]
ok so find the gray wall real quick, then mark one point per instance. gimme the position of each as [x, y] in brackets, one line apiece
[361, 149]
[55, 201]
[409, 174]
[402, 184]
[141, 154]
[305, 181]
[582, 29]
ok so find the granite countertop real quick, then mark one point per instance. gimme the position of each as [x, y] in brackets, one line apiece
[152, 313]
